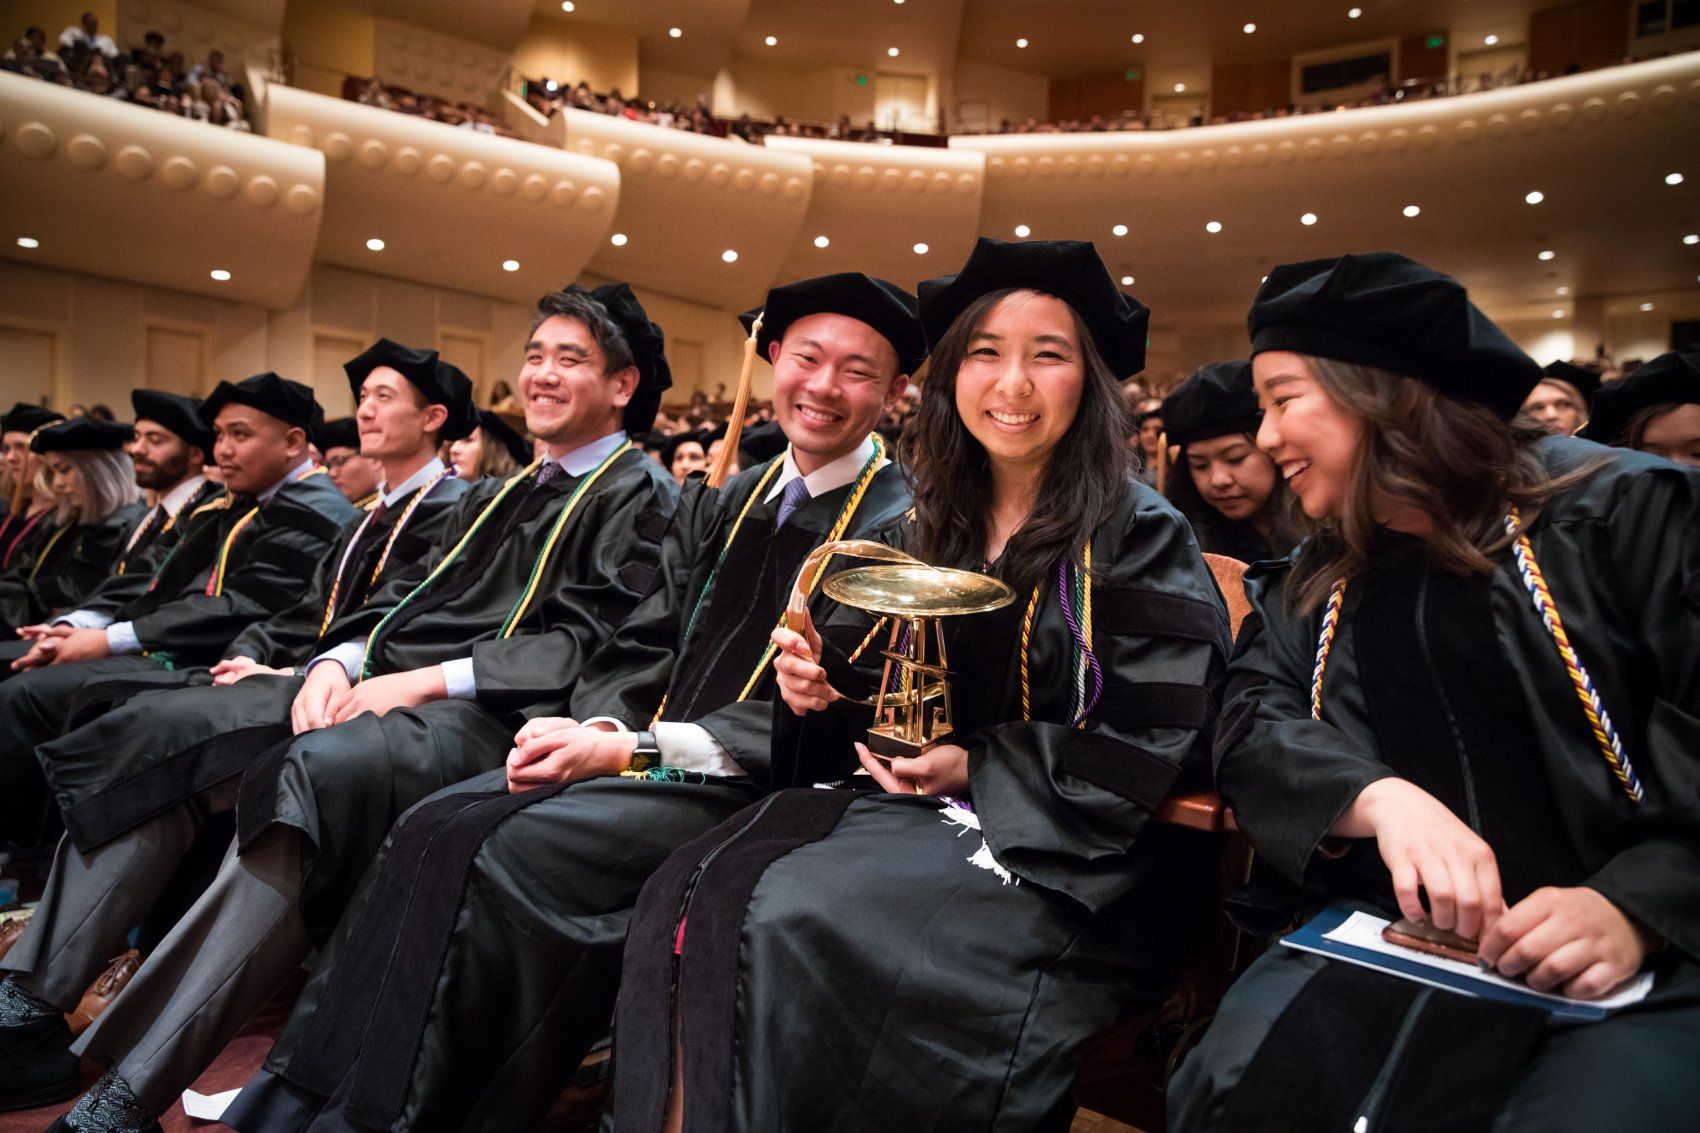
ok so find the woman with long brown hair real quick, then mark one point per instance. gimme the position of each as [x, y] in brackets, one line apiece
[1470, 698]
[929, 948]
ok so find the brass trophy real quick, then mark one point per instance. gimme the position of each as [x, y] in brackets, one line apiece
[912, 709]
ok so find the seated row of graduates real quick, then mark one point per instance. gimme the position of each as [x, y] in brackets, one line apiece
[494, 750]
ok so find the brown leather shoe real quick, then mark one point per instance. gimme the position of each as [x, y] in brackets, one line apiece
[10, 930]
[104, 990]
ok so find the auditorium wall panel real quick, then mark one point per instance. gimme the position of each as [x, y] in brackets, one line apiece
[606, 58]
[329, 40]
[194, 30]
[986, 94]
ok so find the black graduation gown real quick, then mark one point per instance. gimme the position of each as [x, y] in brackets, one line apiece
[342, 787]
[69, 566]
[135, 567]
[856, 960]
[24, 538]
[148, 742]
[560, 867]
[270, 564]
[1454, 684]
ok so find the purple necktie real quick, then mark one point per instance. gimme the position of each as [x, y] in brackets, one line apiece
[795, 495]
[547, 473]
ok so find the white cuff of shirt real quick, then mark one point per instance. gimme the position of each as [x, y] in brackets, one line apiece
[349, 655]
[121, 639]
[689, 746]
[458, 680]
[619, 725]
[83, 619]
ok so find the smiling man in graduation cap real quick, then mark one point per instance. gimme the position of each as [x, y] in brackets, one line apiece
[411, 691]
[677, 712]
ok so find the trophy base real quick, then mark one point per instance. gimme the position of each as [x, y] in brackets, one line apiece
[884, 745]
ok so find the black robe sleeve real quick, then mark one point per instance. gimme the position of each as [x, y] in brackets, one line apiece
[615, 552]
[1287, 776]
[1654, 539]
[1062, 807]
[271, 566]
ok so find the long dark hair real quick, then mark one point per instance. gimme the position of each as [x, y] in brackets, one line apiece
[1236, 538]
[950, 477]
[1457, 461]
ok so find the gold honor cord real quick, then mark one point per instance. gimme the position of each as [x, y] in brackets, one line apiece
[472, 530]
[35, 568]
[1086, 631]
[215, 584]
[413, 503]
[554, 535]
[845, 514]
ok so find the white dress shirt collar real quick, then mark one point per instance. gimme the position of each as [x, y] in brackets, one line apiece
[586, 457]
[295, 473]
[828, 477]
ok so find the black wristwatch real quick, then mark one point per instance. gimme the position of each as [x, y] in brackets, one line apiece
[647, 753]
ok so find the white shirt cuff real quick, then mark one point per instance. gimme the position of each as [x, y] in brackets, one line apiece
[690, 747]
[458, 680]
[83, 619]
[619, 725]
[121, 639]
[349, 655]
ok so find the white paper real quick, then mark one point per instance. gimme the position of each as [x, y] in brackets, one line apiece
[208, 1107]
[1363, 930]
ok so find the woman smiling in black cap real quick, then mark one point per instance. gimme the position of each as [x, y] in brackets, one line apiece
[931, 954]
[1475, 683]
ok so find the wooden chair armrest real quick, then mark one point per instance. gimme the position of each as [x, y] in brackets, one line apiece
[1197, 810]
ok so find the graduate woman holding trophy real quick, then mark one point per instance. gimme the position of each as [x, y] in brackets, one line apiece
[1000, 894]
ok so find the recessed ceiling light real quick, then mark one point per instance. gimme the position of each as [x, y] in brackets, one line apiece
[1213, 226]
[28, 242]
[1491, 40]
[821, 241]
[1673, 178]
[1413, 210]
[1308, 219]
[729, 256]
[1646, 306]
[1558, 314]
[1265, 279]
[1354, 13]
[1023, 231]
[1548, 254]
[1249, 28]
[220, 274]
[1120, 230]
[1127, 281]
[675, 32]
[891, 51]
[920, 249]
[1021, 42]
[897, 1]
[567, 5]
[618, 239]
[1180, 88]
[1691, 238]
[374, 245]
[772, 41]
[1138, 38]
[1534, 198]
[1563, 290]
[510, 265]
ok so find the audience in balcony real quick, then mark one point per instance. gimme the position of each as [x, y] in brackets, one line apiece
[465, 115]
[146, 75]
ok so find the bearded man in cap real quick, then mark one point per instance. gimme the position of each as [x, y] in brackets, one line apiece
[677, 719]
